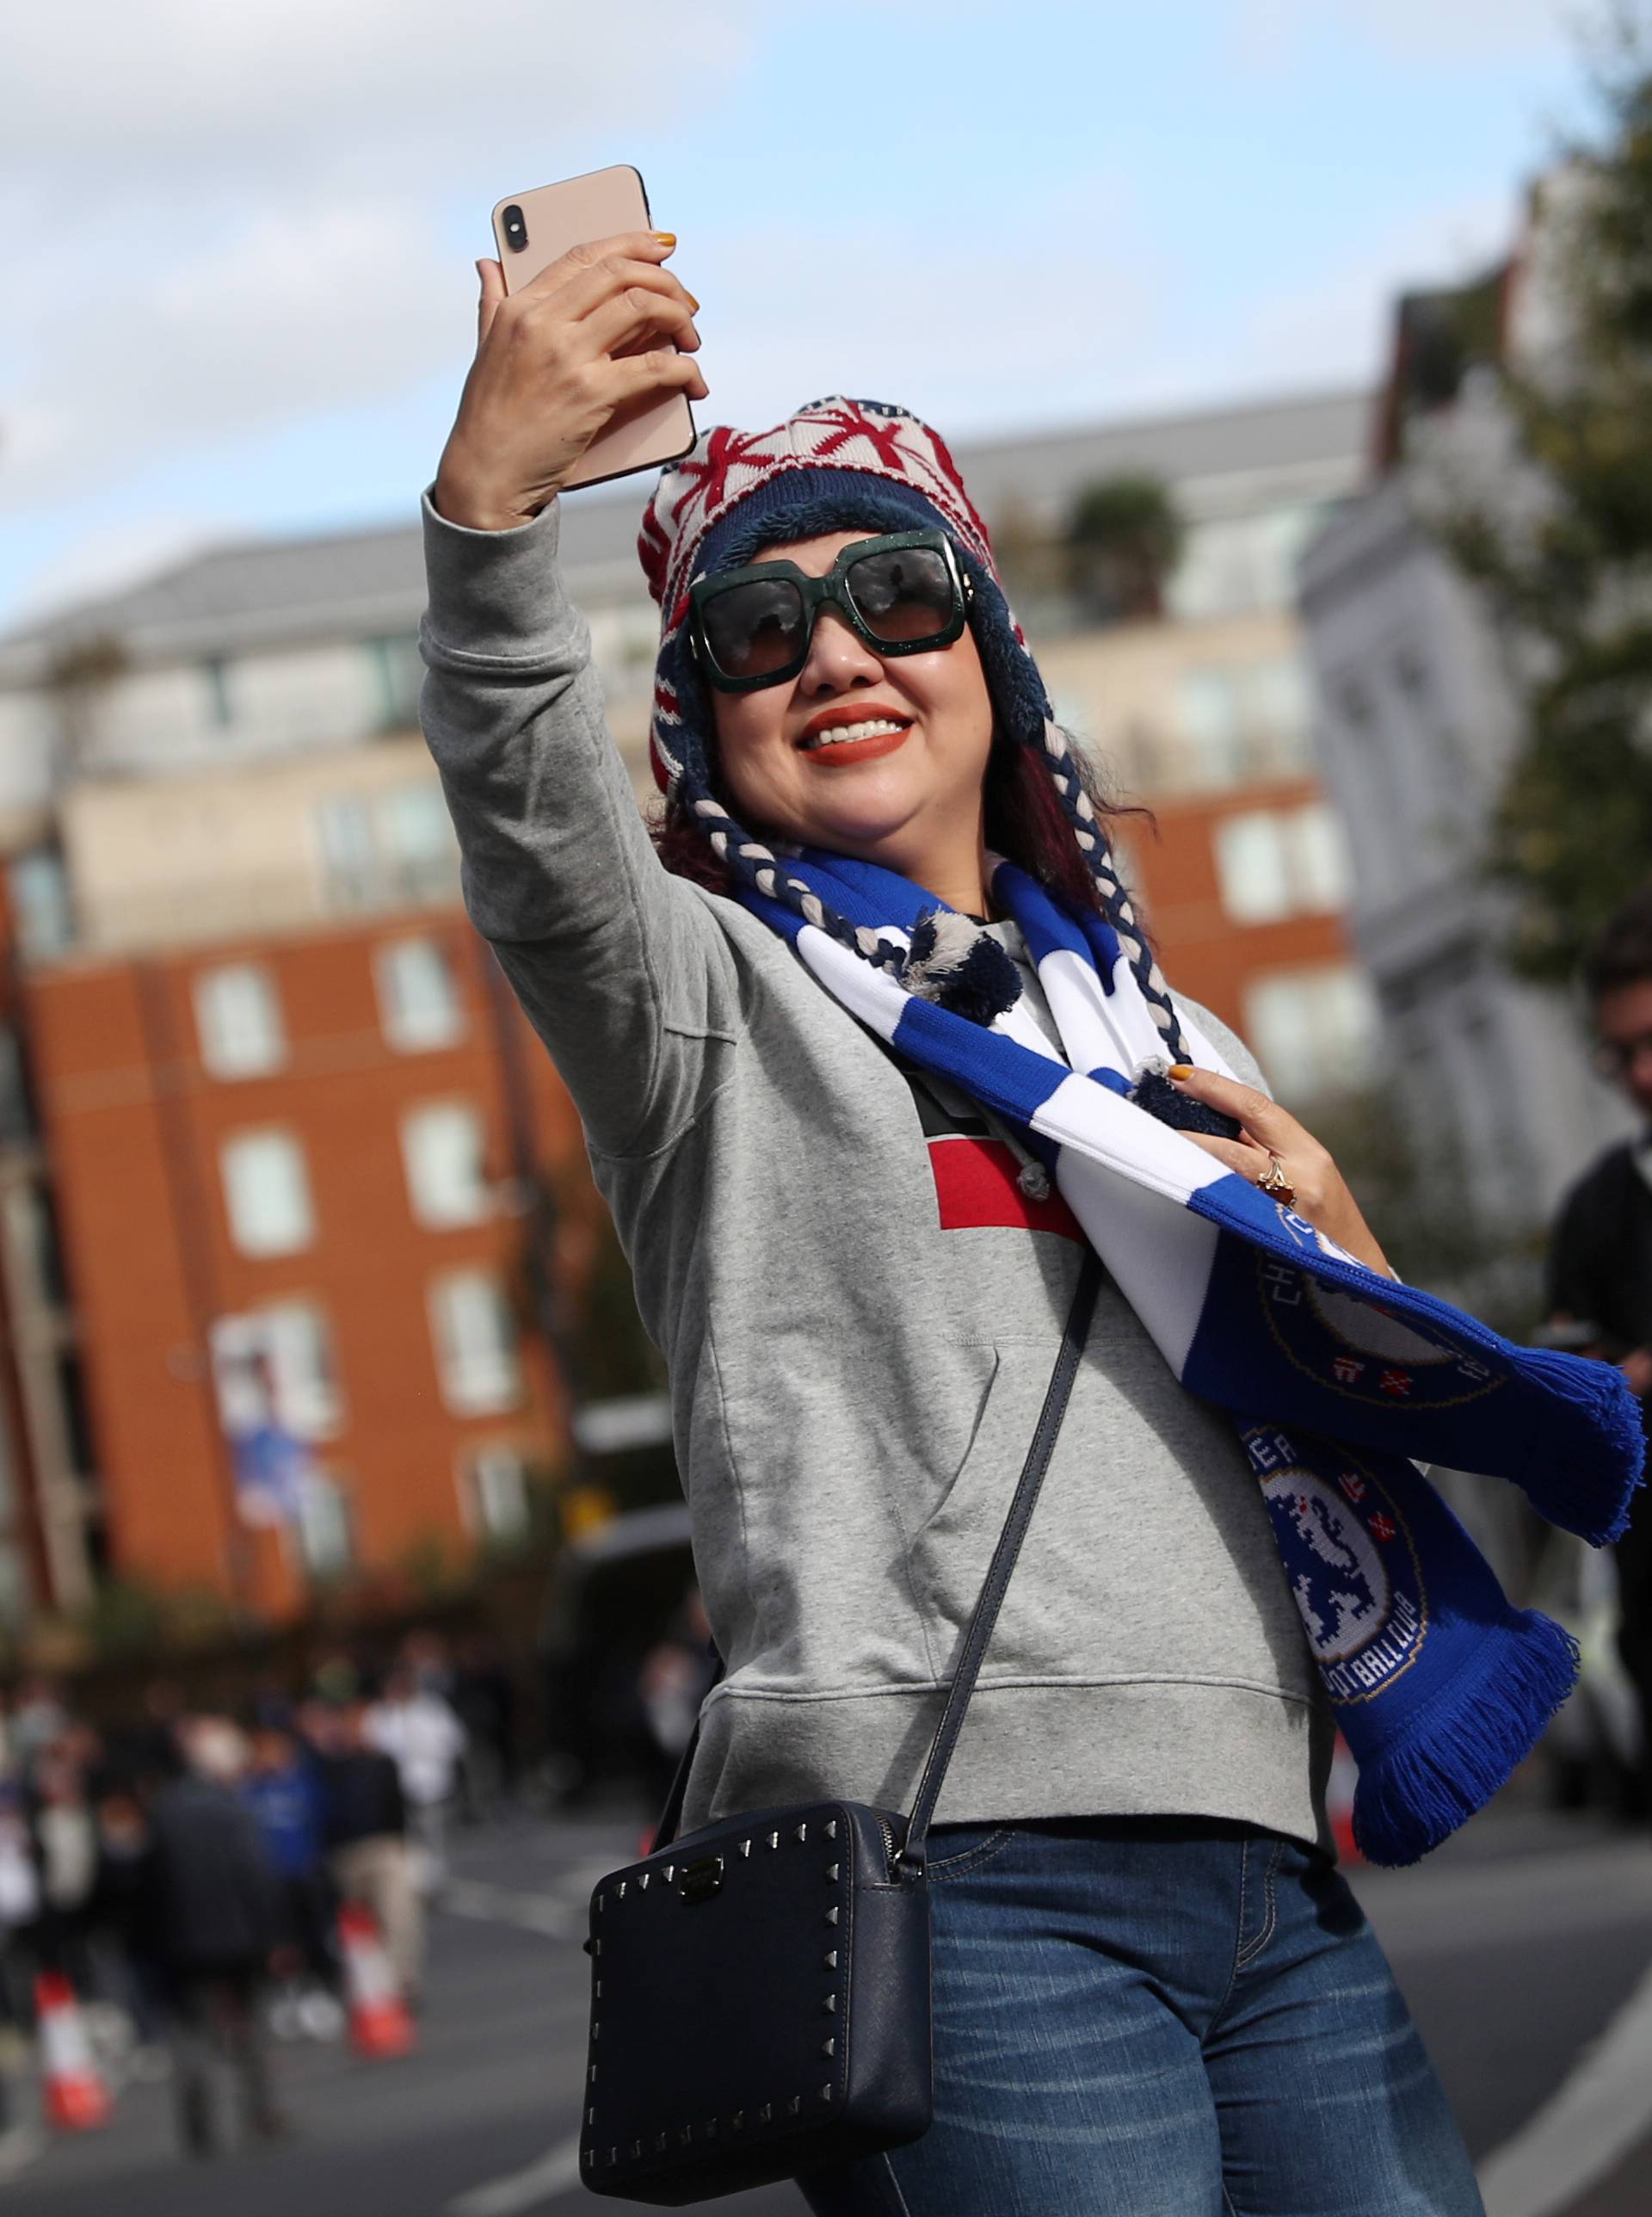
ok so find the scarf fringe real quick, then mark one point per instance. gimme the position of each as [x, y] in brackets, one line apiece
[953, 962]
[1585, 1495]
[1450, 1761]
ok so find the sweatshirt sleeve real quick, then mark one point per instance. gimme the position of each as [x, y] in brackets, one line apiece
[620, 965]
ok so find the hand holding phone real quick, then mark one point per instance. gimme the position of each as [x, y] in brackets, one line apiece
[595, 346]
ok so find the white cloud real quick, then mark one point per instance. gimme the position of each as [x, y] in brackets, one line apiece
[317, 307]
[965, 325]
[217, 218]
[1336, 324]
[1272, 31]
[221, 222]
[221, 97]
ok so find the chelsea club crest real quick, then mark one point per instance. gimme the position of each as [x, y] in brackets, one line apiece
[1351, 1344]
[1351, 1562]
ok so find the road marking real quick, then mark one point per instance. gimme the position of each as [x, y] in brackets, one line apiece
[551, 2175]
[19, 2147]
[1585, 2128]
[504, 1905]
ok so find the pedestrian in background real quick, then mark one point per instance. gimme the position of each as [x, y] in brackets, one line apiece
[485, 1702]
[283, 1791]
[1600, 1259]
[66, 1848]
[416, 1726]
[216, 1924]
[365, 1823]
[124, 1936]
[674, 1679]
[20, 1908]
[39, 1716]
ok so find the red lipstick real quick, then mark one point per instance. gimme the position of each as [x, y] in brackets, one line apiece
[851, 750]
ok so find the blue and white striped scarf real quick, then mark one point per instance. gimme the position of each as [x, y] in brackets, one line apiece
[1338, 1380]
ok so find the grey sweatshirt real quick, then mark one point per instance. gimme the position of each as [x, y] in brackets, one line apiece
[859, 1338]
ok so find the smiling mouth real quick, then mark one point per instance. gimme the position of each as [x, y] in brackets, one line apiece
[867, 727]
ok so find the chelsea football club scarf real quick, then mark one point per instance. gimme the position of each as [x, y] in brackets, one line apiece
[1339, 1381]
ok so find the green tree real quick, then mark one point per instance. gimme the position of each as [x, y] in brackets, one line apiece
[1566, 566]
[1125, 536]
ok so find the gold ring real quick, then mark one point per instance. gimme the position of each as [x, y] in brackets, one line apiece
[1275, 1184]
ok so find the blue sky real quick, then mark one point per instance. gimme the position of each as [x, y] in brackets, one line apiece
[239, 259]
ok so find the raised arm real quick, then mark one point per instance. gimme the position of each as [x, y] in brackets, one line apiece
[621, 966]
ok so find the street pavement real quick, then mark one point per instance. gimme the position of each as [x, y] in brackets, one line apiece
[1517, 1944]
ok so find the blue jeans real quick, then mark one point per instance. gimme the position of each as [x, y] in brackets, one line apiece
[1162, 2018]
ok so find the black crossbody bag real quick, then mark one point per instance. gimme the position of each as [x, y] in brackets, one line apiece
[760, 1990]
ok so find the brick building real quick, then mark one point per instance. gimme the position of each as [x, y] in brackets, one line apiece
[257, 1070]
[313, 1133]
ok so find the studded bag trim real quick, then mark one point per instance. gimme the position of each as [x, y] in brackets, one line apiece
[760, 1989]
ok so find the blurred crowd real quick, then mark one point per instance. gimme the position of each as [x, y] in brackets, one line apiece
[184, 1870]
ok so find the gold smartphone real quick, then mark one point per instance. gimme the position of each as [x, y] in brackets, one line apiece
[532, 230]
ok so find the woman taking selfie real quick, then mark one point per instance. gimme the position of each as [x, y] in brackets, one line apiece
[1153, 1993]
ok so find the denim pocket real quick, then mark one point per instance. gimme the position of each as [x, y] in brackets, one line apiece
[968, 1847]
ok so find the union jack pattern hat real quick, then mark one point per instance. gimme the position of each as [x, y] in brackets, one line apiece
[842, 464]
[835, 465]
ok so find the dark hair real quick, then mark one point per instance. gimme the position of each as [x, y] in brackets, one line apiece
[1022, 816]
[1622, 954]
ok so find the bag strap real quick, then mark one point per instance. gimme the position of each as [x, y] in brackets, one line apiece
[909, 1860]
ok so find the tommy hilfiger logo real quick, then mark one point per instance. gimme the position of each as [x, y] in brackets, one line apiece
[979, 1180]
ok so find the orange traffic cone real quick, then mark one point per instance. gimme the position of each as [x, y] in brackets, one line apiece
[75, 2095]
[1339, 1801]
[380, 2024]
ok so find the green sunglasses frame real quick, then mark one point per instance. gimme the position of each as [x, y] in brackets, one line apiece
[816, 593]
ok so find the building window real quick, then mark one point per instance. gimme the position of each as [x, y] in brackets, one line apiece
[1244, 721]
[298, 1343]
[419, 994]
[415, 839]
[475, 1344]
[1210, 715]
[16, 1594]
[388, 847]
[1234, 564]
[220, 709]
[267, 1192]
[1277, 862]
[75, 1413]
[442, 1149]
[400, 672]
[29, 1218]
[326, 1526]
[1313, 1031]
[17, 1124]
[39, 900]
[496, 1493]
[350, 864]
[238, 1021]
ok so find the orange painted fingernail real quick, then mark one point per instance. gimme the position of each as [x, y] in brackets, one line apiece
[666, 238]
[694, 304]
[1182, 1070]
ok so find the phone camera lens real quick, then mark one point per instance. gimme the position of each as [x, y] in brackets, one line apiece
[515, 230]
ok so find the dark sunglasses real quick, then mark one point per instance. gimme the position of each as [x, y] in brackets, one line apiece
[902, 594]
[1617, 1058]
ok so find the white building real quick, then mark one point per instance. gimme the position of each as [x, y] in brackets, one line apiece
[1420, 717]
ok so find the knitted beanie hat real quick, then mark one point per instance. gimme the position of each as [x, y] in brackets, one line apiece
[841, 464]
